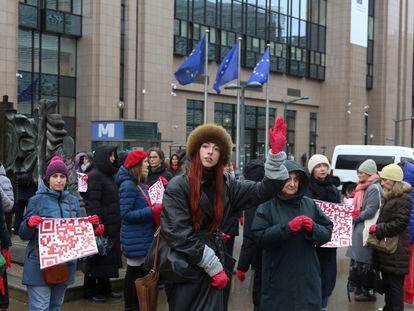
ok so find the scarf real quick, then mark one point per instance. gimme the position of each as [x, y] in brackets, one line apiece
[324, 190]
[174, 167]
[359, 191]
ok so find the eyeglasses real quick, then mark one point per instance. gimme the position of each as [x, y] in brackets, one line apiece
[153, 157]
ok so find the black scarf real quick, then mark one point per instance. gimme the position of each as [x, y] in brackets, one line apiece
[324, 190]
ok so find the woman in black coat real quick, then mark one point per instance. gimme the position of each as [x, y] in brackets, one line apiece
[103, 200]
[157, 167]
[322, 187]
[195, 206]
[393, 221]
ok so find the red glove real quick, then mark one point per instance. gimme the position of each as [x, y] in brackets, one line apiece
[241, 220]
[220, 280]
[100, 229]
[296, 223]
[94, 220]
[156, 214]
[277, 135]
[225, 236]
[241, 275]
[34, 221]
[163, 180]
[2, 289]
[355, 213]
[6, 254]
[373, 228]
[307, 223]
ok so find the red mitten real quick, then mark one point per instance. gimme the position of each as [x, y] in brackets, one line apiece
[163, 180]
[296, 223]
[156, 214]
[94, 220]
[100, 229]
[355, 213]
[277, 135]
[307, 223]
[241, 220]
[373, 228]
[241, 275]
[225, 236]
[2, 289]
[6, 254]
[220, 280]
[34, 221]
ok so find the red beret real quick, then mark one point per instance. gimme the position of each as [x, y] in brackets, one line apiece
[134, 157]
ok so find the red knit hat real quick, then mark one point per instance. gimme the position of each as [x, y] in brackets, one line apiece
[134, 157]
[56, 165]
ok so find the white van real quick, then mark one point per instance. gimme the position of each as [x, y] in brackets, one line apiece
[347, 158]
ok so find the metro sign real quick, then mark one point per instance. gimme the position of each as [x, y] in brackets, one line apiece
[107, 130]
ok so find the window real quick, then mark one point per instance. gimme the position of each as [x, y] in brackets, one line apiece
[195, 114]
[290, 133]
[49, 60]
[312, 133]
[225, 115]
[67, 57]
[370, 49]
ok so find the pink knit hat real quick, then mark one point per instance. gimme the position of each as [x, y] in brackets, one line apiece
[56, 165]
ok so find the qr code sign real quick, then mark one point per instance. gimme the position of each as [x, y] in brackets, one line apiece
[65, 239]
[340, 215]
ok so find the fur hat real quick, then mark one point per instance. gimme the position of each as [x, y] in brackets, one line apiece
[368, 167]
[392, 172]
[210, 133]
[134, 158]
[317, 159]
[56, 165]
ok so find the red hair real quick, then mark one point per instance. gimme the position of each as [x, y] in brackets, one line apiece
[195, 174]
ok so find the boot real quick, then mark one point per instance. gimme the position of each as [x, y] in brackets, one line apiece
[365, 296]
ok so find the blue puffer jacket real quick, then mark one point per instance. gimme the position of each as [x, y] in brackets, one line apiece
[409, 178]
[45, 204]
[137, 230]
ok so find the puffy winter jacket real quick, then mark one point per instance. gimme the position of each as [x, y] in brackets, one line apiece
[6, 191]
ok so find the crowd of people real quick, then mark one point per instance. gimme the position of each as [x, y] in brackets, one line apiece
[202, 208]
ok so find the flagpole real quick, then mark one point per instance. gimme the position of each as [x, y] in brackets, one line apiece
[267, 113]
[206, 77]
[238, 105]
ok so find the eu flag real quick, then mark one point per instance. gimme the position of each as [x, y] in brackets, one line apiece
[27, 93]
[228, 69]
[261, 71]
[193, 66]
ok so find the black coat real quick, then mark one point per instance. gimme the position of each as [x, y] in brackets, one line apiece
[393, 221]
[5, 241]
[103, 200]
[177, 228]
[154, 174]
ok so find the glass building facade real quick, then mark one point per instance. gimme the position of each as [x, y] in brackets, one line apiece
[48, 32]
[295, 30]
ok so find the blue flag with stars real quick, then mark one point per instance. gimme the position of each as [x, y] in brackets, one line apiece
[193, 66]
[261, 71]
[228, 69]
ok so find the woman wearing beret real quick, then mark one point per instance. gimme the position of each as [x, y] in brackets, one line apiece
[196, 204]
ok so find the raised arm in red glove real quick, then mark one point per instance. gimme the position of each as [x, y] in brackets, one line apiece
[100, 229]
[277, 136]
[307, 223]
[220, 280]
[296, 223]
[156, 214]
[34, 221]
[6, 254]
[241, 275]
[94, 220]
[373, 228]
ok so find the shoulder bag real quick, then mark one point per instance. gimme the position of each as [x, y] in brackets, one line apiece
[386, 245]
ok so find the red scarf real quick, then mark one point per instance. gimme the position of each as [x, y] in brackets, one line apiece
[359, 191]
[174, 167]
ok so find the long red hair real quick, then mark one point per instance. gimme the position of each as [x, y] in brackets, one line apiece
[195, 175]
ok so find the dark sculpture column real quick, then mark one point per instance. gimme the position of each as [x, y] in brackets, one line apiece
[5, 105]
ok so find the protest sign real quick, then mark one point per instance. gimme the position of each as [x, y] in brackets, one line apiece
[156, 192]
[82, 182]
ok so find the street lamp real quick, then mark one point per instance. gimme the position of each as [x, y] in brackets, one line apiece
[396, 128]
[366, 124]
[285, 106]
[240, 132]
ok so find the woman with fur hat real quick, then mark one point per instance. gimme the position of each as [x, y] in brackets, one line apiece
[196, 204]
[322, 187]
[393, 221]
[367, 200]
[287, 228]
[137, 229]
[52, 200]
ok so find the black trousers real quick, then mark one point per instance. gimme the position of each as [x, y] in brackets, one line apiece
[96, 286]
[394, 292]
[4, 299]
[130, 294]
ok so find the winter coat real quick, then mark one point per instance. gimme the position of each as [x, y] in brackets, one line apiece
[370, 205]
[6, 191]
[177, 228]
[290, 267]
[5, 241]
[393, 221]
[325, 191]
[103, 200]
[46, 203]
[137, 229]
[408, 170]
[155, 173]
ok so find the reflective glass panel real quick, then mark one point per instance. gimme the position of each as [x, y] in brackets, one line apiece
[49, 60]
[67, 106]
[25, 50]
[67, 57]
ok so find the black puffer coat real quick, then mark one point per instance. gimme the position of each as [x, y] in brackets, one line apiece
[103, 200]
[392, 221]
[155, 173]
